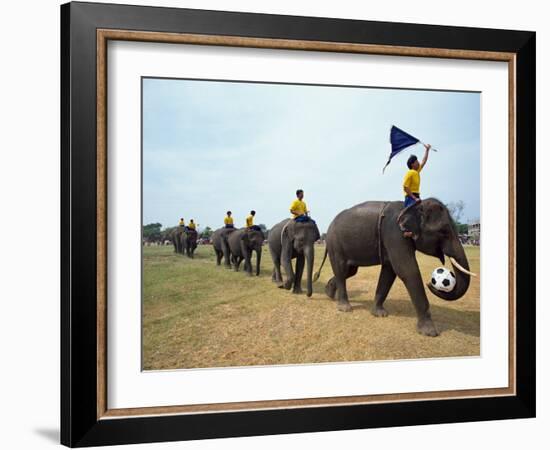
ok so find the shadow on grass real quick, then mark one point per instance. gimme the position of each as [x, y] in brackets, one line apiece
[445, 318]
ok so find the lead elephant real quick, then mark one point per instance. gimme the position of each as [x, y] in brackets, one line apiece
[371, 233]
[221, 247]
[288, 240]
[242, 243]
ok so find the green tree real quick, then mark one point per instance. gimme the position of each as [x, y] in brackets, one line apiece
[462, 228]
[456, 209]
[206, 233]
[151, 231]
[166, 234]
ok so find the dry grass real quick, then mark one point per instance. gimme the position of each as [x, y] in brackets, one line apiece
[196, 314]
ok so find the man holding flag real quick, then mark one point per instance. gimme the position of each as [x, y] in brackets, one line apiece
[400, 140]
[411, 182]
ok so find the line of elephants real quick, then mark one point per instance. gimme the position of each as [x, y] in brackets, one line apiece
[367, 234]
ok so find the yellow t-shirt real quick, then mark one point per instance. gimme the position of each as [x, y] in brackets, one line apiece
[182, 223]
[250, 220]
[298, 206]
[412, 181]
[192, 225]
[228, 220]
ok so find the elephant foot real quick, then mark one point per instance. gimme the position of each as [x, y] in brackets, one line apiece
[309, 293]
[344, 306]
[248, 274]
[330, 290]
[427, 328]
[297, 290]
[287, 285]
[379, 311]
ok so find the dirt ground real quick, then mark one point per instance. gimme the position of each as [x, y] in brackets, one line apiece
[196, 314]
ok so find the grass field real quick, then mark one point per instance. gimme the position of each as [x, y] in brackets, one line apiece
[196, 314]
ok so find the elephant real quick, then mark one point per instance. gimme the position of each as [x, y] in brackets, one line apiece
[189, 242]
[371, 233]
[290, 239]
[185, 241]
[221, 247]
[177, 239]
[242, 243]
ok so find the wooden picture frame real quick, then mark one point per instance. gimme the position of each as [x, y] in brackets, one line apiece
[85, 417]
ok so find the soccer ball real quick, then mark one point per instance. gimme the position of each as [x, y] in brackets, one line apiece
[443, 279]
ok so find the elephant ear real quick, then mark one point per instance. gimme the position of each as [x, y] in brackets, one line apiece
[433, 217]
[287, 234]
[410, 220]
[244, 236]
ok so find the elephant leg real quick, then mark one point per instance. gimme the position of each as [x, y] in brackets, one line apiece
[226, 254]
[343, 300]
[286, 260]
[340, 271]
[276, 276]
[385, 282]
[218, 257]
[407, 269]
[330, 288]
[341, 289]
[300, 263]
[237, 262]
[248, 265]
[247, 261]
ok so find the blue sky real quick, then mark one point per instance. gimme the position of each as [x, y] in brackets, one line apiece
[210, 146]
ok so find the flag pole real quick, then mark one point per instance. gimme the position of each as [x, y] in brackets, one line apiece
[431, 148]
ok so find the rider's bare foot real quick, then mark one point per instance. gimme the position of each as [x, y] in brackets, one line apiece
[408, 234]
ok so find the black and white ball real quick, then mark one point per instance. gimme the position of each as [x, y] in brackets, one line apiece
[443, 279]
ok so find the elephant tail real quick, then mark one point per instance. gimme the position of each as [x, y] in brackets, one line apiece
[318, 273]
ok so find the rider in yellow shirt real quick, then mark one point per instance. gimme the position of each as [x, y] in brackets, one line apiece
[228, 220]
[192, 225]
[411, 181]
[298, 208]
[250, 222]
[182, 222]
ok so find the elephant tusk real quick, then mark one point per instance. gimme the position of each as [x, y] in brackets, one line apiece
[459, 267]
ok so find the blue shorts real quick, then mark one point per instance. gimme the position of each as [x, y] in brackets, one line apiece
[409, 200]
[304, 218]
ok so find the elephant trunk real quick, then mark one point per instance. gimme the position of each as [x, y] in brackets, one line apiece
[456, 251]
[309, 257]
[258, 260]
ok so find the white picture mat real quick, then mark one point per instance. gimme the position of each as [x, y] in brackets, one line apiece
[129, 387]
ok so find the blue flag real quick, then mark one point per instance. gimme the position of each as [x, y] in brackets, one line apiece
[399, 141]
